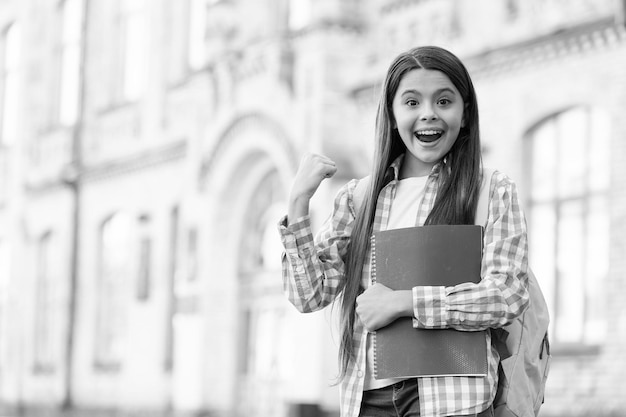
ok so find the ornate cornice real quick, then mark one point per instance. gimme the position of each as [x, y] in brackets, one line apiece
[396, 5]
[131, 163]
[578, 40]
[343, 25]
[581, 39]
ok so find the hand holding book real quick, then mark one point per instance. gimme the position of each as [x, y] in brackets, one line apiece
[379, 306]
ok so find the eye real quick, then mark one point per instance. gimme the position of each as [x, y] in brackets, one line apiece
[444, 101]
[411, 102]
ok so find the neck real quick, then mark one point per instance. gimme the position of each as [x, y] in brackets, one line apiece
[412, 167]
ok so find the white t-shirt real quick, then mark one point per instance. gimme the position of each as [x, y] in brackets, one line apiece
[403, 213]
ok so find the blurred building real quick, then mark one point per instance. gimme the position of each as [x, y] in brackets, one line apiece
[146, 154]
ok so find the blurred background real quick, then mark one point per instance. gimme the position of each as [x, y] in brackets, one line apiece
[146, 154]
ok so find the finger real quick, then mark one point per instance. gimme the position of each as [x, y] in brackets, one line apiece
[327, 160]
[329, 171]
[321, 159]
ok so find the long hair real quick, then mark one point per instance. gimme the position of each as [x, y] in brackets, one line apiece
[459, 177]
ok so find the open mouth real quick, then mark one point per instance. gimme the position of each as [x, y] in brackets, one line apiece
[430, 135]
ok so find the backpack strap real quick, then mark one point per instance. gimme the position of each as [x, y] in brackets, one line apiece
[482, 209]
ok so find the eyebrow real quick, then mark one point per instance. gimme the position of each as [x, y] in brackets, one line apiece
[437, 92]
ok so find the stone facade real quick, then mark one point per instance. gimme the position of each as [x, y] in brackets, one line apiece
[139, 259]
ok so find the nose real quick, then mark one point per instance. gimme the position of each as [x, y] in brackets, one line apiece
[428, 113]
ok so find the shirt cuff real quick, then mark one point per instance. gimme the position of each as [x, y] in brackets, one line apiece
[429, 307]
[296, 236]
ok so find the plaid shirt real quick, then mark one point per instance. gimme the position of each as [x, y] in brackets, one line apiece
[313, 274]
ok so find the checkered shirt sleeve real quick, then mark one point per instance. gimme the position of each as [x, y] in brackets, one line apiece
[502, 294]
[313, 269]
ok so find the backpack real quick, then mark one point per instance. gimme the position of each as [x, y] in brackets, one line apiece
[523, 344]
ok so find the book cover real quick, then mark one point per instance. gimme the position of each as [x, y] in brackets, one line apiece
[427, 256]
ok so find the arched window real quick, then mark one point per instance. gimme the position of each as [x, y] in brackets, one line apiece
[299, 14]
[9, 85]
[196, 42]
[5, 286]
[47, 305]
[568, 157]
[261, 246]
[133, 32]
[112, 291]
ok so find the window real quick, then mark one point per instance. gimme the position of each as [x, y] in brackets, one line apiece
[5, 274]
[174, 230]
[9, 86]
[133, 38]
[70, 82]
[112, 298]
[262, 321]
[192, 255]
[145, 260]
[300, 12]
[569, 221]
[46, 306]
[261, 247]
[511, 10]
[196, 47]
[199, 24]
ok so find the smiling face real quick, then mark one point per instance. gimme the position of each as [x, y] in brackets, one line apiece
[428, 111]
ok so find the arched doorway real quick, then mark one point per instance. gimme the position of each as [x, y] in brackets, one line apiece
[244, 182]
[263, 338]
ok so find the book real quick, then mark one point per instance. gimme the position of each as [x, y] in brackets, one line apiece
[427, 256]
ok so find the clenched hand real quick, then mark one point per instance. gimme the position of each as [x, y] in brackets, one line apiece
[312, 171]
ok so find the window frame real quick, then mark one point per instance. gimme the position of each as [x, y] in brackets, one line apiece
[111, 289]
[46, 331]
[555, 203]
[10, 84]
[71, 36]
[129, 84]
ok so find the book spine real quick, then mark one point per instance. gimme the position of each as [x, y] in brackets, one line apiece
[373, 259]
[373, 278]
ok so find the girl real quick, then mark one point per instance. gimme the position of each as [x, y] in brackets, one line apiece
[427, 171]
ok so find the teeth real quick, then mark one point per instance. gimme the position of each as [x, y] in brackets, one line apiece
[428, 132]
